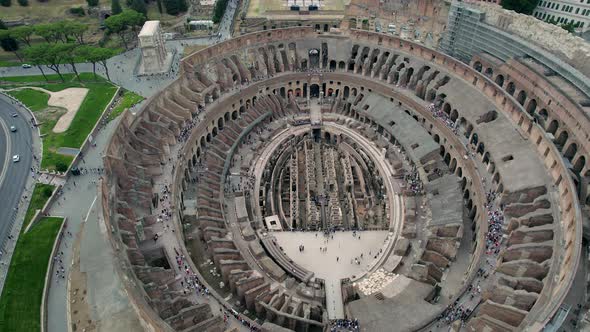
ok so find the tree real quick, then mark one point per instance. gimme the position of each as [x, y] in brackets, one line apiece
[520, 6]
[5, 3]
[9, 44]
[60, 166]
[218, 11]
[96, 55]
[69, 55]
[174, 7]
[116, 7]
[48, 31]
[23, 33]
[36, 55]
[137, 5]
[73, 29]
[120, 23]
[92, 3]
[159, 2]
[23, 3]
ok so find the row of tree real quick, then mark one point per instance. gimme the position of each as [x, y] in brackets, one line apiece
[121, 24]
[54, 55]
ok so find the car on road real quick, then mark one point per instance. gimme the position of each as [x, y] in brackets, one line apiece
[12, 128]
[26, 66]
[15, 158]
[14, 115]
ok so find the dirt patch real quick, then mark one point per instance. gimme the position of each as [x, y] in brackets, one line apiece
[70, 99]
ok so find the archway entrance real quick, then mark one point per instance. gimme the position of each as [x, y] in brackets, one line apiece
[314, 91]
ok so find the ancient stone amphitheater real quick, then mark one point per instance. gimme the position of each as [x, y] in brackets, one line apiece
[475, 173]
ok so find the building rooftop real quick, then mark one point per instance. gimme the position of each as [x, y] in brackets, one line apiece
[149, 28]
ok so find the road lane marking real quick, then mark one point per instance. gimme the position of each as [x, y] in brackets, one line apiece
[7, 157]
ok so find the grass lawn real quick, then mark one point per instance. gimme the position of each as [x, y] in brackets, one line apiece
[41, 194]
[129, 99]
[34, 99]
[20, 304]
[99, 94]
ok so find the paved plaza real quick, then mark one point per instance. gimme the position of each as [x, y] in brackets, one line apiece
[337, 256]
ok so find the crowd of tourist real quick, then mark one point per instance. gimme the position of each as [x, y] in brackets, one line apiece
[185, 131]
[444, 117]
[413, 181]
[337, 325]
[455, 312]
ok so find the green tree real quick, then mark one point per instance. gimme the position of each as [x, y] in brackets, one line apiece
[23, 3]
[60, 166]
[51, 32]
[92, 3]
[159, 2]
[36, 55]
[116, 7]
[120, 24]
[96, 55]
[137, 5]
[23, 33]
[175, 7]
[5, 3]
[73, 30]
[69, 55]
[9, 44]
[520, 6]
[218, 11]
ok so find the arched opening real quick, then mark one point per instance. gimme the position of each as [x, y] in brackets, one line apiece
[314, 91]
[220, 123]
[521, 97]
[346, 92]
[341, 65]
[562, 139]
[454, 115]
[571, 151]
[480, 148]
[202, 142]
[333, 65]
[242, 109]
[234, 115]
[436, 138]
[543, 113]
[208, 138]
[510, 88]
[499, 80]
[531, 106]
[579, 165]
[298, 92]
[477, 66]
[214, 131]
[447, 108]
[459, 172]
[489, 72]
[553, 126]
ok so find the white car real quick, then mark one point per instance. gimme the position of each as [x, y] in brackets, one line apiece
[26, 66]
[12, 128]
[15, 158]
[14, 115]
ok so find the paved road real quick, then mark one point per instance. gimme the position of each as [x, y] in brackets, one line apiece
[13, 175]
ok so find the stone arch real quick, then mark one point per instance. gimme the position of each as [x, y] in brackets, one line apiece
[453, 165]
[481, 148]
[220, 123]
[436, 138]
[521, 98]
[562, 139]
[543, 113]
[511, 88]
[447, 108]
[459, 172]
[346, 91]
[489, 72]
[202, 142]
[208, 137]
[477, 66]
[531, 107]
[553, 126]
[226, 116]
[341, 65]
[454, 115]
[579, 164]
[333, 65]
[214, 131]
[499, 80]
[571, 151]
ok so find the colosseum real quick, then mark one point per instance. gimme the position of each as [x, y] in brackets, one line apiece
[350, 180]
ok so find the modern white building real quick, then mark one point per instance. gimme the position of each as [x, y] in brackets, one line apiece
[564, 12]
